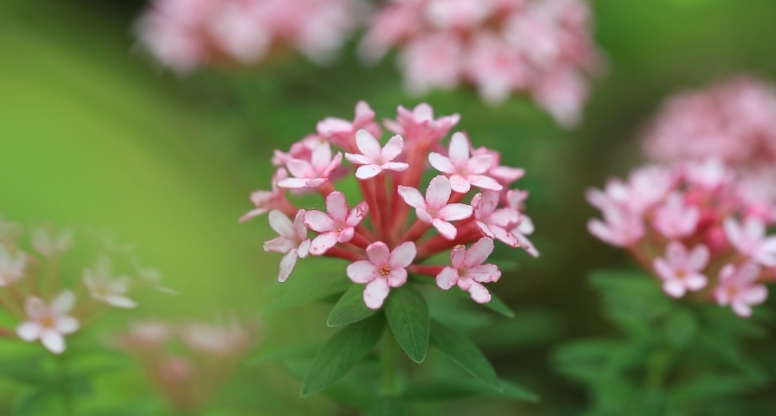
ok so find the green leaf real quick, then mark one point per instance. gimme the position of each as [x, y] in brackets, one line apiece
[463, 352]
[352, 390]
[350, 308]
[27, 371]
[341, 353]
[33, 404]
[388, 407]
[300, 290]
[407, 314]
[457, 389]
[282, 353]
[496, 305]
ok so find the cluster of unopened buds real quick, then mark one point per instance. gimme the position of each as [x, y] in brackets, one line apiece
[186, 34]
[500, 46]
[48, 305]
[467, 201]
[693, 226]
[187, 362]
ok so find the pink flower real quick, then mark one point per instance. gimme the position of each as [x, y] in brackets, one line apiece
[420, 124]
[492, 222]
[373, 159]
[515, 200]
[49, 323]
[434, 208]
[266, 201]
[496, 68]
[505, 175]
[682, 269]
[463, 170]
[336, 226]
[292, 242]
[342, 132]
[49, 243]
[709, 174]
[738, 288]
[468, 272]
[749, 239]
[675, 219]
[620, 227]
[384, 269]
[450, 14]
[432, 62]
[11, 267]
[103, 287]
[312, 173]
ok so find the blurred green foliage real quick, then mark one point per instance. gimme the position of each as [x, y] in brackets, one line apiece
[92, 132]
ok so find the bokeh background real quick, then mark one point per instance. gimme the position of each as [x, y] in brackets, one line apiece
[94, 132]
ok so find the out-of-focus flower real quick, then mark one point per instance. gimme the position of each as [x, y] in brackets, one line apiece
[186, 34]
[49, 323]
[542, 47]
[378, 237]
[696, 222]
[40, 315]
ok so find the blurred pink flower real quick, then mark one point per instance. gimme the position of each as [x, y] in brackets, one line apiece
[493, 222]
[104, 287]
[738, 288]
[49, 323]
[682, 269]
[750, 240]
[11, 267]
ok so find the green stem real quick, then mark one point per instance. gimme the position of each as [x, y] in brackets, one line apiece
[67, 390]
[388, 359]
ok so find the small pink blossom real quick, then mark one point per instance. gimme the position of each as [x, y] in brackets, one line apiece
[312, 173]
[49, 323]
[266, 201]
[105, 288]
[738, 287]
[492, 222]
[292, 242]
[468, 272]
[384, 269]
[336, 226]
[434, 208]
[496, 68]
[11, 267]
[373, 159]
[432, 62]
[464, 171]
[682, 269]
[342, 132]
[505, 175]
[675, 219]
[516, 200]
[749, 239]
[709, 174]
[420, 124]
[302, 149]
[620, 227]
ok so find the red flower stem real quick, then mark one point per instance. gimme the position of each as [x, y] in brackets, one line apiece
[326, 188]
[437, 244]
[455, 197]
[381, 199]
[367, 188]
[289, 209]
[358, 240]
[365, 232]
[416, 231]
[432, 271]
[343, 254]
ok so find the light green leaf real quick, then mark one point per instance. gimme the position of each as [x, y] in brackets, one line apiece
[463, 352]
[457, 389]
[408, 317]
[34, 403]
[306, 289]
[350, 308]
[351, 390]
[289, 352]
[341, 353]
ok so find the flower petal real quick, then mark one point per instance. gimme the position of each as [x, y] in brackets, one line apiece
[460, 184]
[438, 192]
[287, 264]
[379, 254]
[337, 206]
[358, 159]
[484, 182]
[447, 278]
[320, 158]
[479, 293]
[395, 166]
[459, 149]
[323, 243]
[479, 164]
[478, 253]
[441, 163]
[68, 324]
[445, 229]
[455, 212]
[392, 149]
[319, 221]
[674, 288]
[357, 214]
[368, 171]
[412, 197]
[403, 255]
[368, 145]
[397, 277]
[63, 302]
[484, 273]
[29, 331]
[375, 293]
[362, 271]
[53, 341]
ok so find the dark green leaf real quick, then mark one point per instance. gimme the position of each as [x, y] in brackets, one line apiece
[407, 314]
[350, 308]
[457, 389]
[33, 404]
[463, 352]
[300, 290]
[351, 390]
[388, 407]
[343, 351]
[27, 371]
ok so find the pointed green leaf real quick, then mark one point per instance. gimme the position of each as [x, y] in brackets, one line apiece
[463, 352]
[351, 390]
[306, 289]
[341, 353]
[388, 407]
[496, 305]
[350, 308]
[457, 389]
[407, 314]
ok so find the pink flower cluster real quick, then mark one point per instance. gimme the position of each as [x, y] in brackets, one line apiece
[500, 46]
[377, 234]
[188, 362]
[693, 226]
[186, 34]
[734, 121]
[30, 273]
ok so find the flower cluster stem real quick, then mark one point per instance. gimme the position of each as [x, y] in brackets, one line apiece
[388, 360]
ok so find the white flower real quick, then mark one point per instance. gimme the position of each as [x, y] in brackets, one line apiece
[49, 323]
[105, 288]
